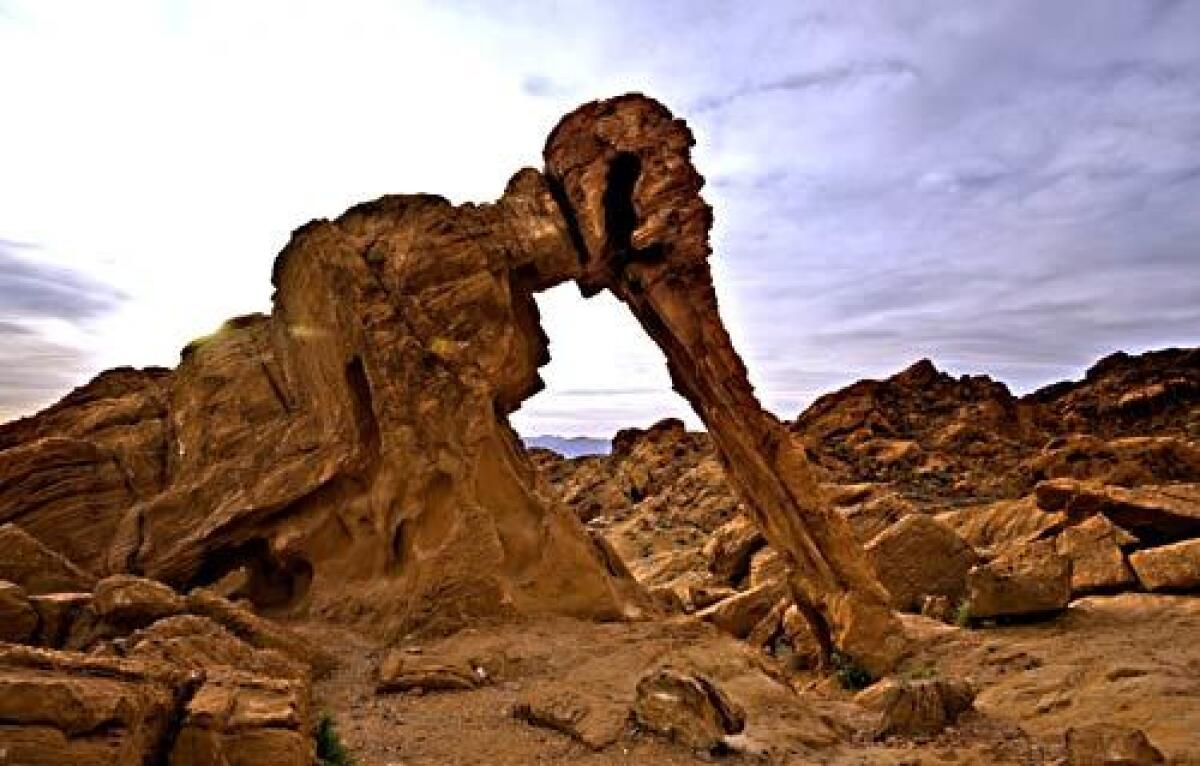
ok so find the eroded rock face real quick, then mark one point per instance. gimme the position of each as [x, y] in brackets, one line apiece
[624, 169]
[349, 455]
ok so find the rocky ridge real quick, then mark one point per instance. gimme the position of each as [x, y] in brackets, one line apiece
[327, 506]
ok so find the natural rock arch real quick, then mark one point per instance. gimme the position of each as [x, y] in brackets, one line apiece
[623, 170]
[352, 451]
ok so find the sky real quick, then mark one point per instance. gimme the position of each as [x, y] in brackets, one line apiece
[1009, 188]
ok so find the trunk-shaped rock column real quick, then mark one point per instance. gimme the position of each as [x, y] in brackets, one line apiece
[623, 172]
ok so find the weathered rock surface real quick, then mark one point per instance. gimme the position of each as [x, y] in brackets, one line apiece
[61, 708]
[350, 451]
[72, 471]
[731, 548]
[18, 618]
[27, 562]
[57, 614]
[1094, 548]
[595, 722]
[1029, 581]
[194, 643]
[624, 168]
[238, 719]
[1108, 745]
[133, 602]
[916, 707]
[1169, 567]
[402, 671]
[1154, 514]
[689, 709]
[741, 612]
[257, 631]
[919, 556]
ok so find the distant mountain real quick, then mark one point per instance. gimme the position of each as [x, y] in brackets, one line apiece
[570, 446]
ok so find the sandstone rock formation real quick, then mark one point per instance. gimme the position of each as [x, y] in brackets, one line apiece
[624, 171]
[351, 450]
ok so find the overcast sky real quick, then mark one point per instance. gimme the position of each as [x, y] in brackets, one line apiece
[1006, 187]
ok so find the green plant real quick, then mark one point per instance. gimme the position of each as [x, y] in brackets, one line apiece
[330, 750]
[962, 615]
[921, 672]
[849, 674]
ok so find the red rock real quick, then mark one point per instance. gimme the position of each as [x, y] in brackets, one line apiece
[27, 562]
[919, 556]
[1169, 567]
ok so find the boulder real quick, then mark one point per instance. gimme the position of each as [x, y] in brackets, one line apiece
[687, 708]
[916, 707]
[919, 556]
[239, 719]
[191, 642]
[804, 650]
[874, 514]
[730, 549]
[64, 708]
[1029, 581]
[1000, 525]
[594, 720]
[939, 608]
[739, 614]
[259, 632]
[767, 566]
[1172, 567]
[1103, 744]
[1094, 549]
[24, 560]
[1154, 514]
[132, 602]
[18, 618]
[402, 671]
[770, 626]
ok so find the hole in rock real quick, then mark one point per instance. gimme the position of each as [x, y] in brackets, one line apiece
[604, 374]
[271, 583]
[364, 412]
[620, 212]
[400, 544]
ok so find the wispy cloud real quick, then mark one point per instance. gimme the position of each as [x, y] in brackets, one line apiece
[43, 308]
[1007, 188]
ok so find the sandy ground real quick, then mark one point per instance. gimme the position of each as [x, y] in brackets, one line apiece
[1131, 659]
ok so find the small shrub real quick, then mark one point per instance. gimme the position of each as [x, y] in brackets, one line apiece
[921, 672]
[849, 674]
[330, 750]
[962, 615]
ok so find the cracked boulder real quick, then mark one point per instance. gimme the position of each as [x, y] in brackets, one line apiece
[1030, 581]
[65, 708]
[1094, 548]
[133, 602]
[919, 556]
[916, 707]
[1174, 567]
[687, 708]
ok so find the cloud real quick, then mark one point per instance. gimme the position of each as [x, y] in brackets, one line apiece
[1007, 188]
[37, 290]
[44, 311]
